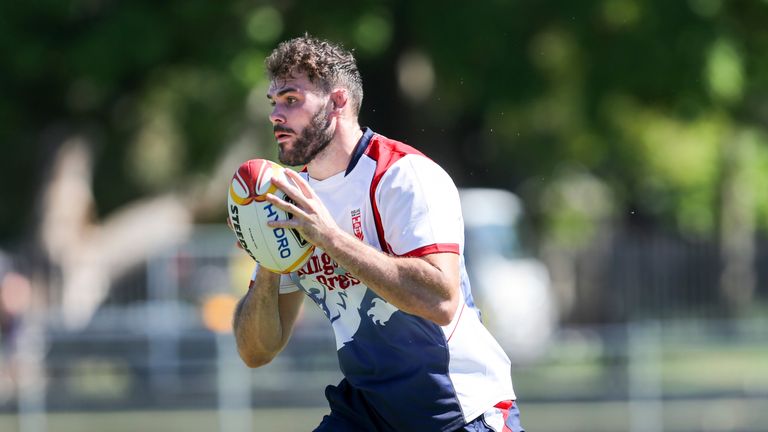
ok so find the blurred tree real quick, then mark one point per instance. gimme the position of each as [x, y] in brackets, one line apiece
[157, 87]
[662, 105]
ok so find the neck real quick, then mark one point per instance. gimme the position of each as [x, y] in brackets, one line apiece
[335, 158]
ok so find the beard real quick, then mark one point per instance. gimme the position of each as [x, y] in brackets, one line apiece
[313, 139]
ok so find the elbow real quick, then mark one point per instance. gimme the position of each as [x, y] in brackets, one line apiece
[255, 360]
[443, 314]
[441, 321]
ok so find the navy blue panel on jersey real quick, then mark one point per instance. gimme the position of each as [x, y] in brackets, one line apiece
[402, 369]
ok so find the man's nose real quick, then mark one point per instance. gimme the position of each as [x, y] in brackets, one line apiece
[276, 117]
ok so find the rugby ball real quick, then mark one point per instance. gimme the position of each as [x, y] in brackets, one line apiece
[280, 250]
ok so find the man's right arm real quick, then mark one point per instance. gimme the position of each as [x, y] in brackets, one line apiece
[264, 319]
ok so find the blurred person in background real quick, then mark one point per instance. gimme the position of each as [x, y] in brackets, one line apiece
[388, 268]
[15, 297]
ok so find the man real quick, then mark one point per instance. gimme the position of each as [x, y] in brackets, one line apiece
[387, 271]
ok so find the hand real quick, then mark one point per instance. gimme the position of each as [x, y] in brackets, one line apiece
[310, 216]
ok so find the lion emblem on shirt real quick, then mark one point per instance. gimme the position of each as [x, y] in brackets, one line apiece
[380, 311]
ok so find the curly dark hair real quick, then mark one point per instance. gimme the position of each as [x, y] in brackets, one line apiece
[326, 64]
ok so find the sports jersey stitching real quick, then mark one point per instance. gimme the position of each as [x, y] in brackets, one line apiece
[458, 320]
[375, 154]
[377, 218]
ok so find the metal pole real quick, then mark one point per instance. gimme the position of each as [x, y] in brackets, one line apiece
[234, 388]
[644, 368]
[162, 332]
[31, 378]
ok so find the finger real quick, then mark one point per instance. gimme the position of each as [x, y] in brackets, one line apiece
[289, 188]
[285, 223]
[285, 205]
[292, 223]
[302, 184]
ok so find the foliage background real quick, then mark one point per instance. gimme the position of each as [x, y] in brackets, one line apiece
[601, 115]
[635, 132]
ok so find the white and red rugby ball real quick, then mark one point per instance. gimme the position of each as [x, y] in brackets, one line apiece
[280, 250]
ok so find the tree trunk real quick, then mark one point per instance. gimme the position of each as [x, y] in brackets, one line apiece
[737, 223]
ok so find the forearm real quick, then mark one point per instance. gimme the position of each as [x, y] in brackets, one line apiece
[413, 285]
[427, 286]
[257, 326]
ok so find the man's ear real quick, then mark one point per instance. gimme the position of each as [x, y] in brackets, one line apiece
[339, 99]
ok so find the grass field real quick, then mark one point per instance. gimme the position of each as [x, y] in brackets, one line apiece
[717, 415]
[710, 381]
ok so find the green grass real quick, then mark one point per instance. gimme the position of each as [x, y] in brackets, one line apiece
[679, 366]
[681, 363]
[676, 416]
[724, 369]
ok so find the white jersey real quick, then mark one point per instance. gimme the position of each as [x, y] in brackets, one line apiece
[418, 376]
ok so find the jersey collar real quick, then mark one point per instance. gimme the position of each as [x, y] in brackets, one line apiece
[359, 149]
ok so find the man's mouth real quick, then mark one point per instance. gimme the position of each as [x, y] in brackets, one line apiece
[282, 136]
[282, 133]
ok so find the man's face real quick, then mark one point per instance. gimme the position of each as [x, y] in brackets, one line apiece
[299, 119]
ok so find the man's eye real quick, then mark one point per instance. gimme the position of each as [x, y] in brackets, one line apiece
[291, 100]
